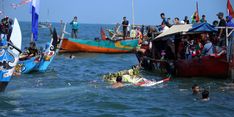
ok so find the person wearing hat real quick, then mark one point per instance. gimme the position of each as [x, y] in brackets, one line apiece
[229, 21]
[75, 27]
[221, 32]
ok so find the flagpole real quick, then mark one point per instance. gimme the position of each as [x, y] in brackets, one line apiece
[133, 12]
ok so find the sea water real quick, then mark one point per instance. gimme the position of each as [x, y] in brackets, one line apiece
[74, 87]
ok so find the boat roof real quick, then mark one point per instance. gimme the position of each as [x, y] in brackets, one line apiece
[175, 29]
[188, 29]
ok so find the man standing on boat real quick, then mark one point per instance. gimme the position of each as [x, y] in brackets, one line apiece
[221, 34]
[125, 26]
[164, 20]
[75, 27]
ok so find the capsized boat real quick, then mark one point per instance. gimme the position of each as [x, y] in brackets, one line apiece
[9, 55]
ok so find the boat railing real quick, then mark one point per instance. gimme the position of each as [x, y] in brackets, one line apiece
[229, 40]
[63, 31]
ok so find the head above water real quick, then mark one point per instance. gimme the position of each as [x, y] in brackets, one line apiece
[205, 94]
[195, 89]
[119, 79]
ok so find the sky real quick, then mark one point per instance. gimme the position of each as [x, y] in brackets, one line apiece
[112, 11]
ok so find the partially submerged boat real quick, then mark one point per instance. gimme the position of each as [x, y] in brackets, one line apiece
[9, 55]
[165, 54]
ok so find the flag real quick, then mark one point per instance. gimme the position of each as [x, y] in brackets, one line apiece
[197, 13]
[103, 34]
[230, 9]
[35, 17]
[23, 2]
[195, 16]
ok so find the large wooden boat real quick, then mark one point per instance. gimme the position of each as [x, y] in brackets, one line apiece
[99, 46]
[217, 64]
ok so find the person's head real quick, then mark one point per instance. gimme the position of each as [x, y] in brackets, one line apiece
[32, 44]
[228, 18]
[176, 20]
[220, 15]
[119, 79]
[124, 18]
[205, 94]
[186, 18]
[75, 18]
[203, 17]
[162, 15]
[168, 19]
[215, 23]
[195, 89]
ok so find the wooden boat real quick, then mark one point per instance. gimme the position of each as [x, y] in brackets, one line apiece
[99, 46]
[213, 65]
[41, 62]
[9, 55]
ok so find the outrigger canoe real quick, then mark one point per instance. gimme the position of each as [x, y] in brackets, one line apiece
[98, 46]
[9, 55]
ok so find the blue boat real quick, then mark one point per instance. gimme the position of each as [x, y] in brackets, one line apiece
[40, 62]
[9, 55]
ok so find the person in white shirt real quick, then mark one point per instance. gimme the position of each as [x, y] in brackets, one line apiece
[164, 27]
[208, 48]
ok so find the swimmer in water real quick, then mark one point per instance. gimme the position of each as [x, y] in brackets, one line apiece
[118, 83]
[205, 95]
[196, 89]
[71, 56]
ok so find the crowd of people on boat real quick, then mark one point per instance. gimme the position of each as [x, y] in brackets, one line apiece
[188, 46]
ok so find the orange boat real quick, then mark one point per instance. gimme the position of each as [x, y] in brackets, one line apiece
[98, 46]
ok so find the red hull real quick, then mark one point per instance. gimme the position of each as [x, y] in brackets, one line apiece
[205, 67]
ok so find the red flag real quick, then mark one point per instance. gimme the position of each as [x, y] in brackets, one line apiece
[230, 9]
[103, 34]
[197, 13]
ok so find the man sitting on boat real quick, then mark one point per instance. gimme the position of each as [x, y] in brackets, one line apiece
[30, 52]
[208, 48]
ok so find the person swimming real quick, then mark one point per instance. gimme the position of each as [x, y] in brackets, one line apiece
[205, 95]
[196, 89]
[118, 83]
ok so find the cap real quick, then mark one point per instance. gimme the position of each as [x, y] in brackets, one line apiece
[220, 14]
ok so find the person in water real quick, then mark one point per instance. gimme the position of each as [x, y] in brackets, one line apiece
[75, 27]
[118, 83]
[205, 95]
[196, 89]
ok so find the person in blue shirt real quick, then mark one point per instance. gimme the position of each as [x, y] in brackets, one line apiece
[203, 20]
[229, 21]
[75, 27]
